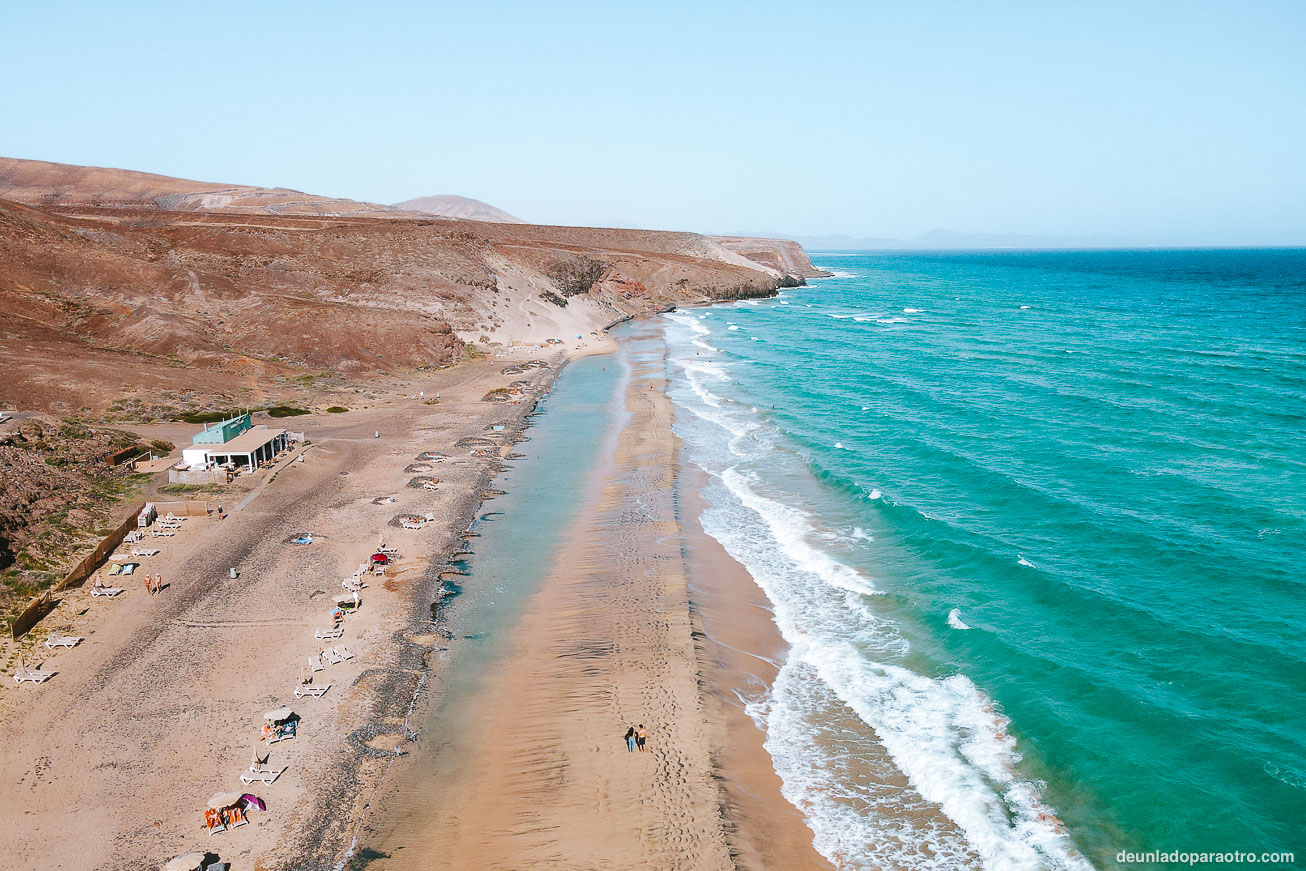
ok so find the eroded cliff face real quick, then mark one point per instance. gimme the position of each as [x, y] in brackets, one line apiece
[782, 255]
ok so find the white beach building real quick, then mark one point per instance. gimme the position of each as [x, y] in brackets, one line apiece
[236, 441]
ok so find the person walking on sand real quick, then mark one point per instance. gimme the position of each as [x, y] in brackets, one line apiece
[640, 737]
[630, 740]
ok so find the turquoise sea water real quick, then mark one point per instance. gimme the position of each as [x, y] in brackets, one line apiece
[1034, 525]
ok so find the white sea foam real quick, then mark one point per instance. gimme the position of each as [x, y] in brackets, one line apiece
[1026, 306]
[964, 804]
[874, 494]
[943, 734]
[1021, 561]
[891, 320]
[954, 619]
[912, 311]
[732, 327]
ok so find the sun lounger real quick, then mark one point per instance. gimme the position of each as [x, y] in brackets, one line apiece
[57, 640]
[172, 518]
[315, 664]
[310, 690]
[145, 551]
[99, 590]
[262, 775]
[332, 657]
[352, 585]
[120, 557]
[157, 534]
[32, 674]
[411, 524]
[334, 632]
[342, 652]
[128, 568]
[377, 569]
[134, 536]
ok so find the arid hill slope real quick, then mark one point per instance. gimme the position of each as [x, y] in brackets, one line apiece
[147, 284]
[40, 183]
[462, 208]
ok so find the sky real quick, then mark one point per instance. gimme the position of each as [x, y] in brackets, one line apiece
[1155, 122]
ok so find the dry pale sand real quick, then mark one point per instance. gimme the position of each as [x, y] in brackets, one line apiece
[109, 764]
[611, 639]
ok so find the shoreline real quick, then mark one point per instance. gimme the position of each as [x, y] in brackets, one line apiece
[738, 651]
[624, 626]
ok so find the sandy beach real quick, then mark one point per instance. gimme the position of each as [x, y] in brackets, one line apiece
[613, 637]
[641, 618]
[161, 705]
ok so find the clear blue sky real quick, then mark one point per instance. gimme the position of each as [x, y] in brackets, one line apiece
[1178, 122]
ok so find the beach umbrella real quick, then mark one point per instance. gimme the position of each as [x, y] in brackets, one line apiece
[222, 800]
[186, 862]
[380, 558]
[253, 800]
[279, 714]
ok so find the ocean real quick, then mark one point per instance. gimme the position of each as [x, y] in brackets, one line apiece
[1032, 524]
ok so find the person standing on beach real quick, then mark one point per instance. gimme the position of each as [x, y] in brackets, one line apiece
[630, 740]
[640, 737]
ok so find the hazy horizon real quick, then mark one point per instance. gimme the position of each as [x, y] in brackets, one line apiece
[1174, 124]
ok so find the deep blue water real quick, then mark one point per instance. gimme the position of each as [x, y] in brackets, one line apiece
[1035, 527]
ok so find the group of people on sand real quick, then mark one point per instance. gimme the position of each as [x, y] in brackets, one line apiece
[636, 736]
[153, 584]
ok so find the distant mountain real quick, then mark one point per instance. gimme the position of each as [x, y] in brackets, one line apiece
[462, 208]
[951, 240]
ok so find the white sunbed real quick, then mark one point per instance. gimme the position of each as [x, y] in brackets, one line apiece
[32, 674]
[164, 534]
[342, 652]
[145, 551]
[334, 632]
[99, 590]
[353, 585]
[120, 557]
[332, 657]
[57, 640]
[316, 691]
[315, 664]
[261, 775]
[411, 524]
[378, 569]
